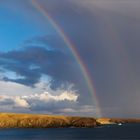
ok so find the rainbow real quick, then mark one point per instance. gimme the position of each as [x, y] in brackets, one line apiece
[73, 50]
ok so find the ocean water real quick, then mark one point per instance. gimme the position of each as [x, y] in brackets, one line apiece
[109, 132]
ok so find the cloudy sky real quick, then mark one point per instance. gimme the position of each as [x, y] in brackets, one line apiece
[40, 73]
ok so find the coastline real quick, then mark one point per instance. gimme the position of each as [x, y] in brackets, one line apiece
[13, 120]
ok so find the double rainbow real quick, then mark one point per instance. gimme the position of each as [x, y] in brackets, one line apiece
[73, 50]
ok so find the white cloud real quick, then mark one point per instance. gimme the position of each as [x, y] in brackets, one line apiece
[15, 101]
[20, 102]
[69, 96]
[64, 102]
[41, 102]
[16, 97]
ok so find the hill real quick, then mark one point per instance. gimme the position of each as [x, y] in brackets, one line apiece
[11, 120]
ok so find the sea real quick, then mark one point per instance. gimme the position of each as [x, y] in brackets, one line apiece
[107, 132]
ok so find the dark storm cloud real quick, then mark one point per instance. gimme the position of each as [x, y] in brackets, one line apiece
[51, 42]
[32, 62]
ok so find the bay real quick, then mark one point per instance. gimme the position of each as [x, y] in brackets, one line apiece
[107, 132]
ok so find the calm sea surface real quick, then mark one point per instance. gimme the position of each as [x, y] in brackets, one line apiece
[110, 132]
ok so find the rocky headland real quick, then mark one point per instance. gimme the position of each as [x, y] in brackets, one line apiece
[13, 120]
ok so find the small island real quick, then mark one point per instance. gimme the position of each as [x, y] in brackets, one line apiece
[13, 120]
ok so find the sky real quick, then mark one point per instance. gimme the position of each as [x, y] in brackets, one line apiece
[70, 57]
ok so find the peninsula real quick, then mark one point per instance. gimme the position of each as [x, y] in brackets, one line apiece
[13, 120]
